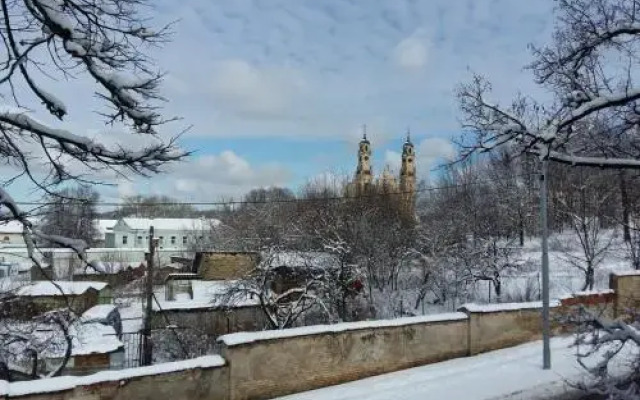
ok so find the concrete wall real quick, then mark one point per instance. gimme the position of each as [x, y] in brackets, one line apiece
[226, 265]
[205, 378]
[212, 321]
[262, 365]
[274, 364]
[627, 289]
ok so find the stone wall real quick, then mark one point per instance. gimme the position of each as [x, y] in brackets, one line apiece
[274, 363]
[226, 265]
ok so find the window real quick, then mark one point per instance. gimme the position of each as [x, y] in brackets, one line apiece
[139, 239]
[124, 239]
[6, 239]
[184, 240]
[161, 239]
[173, 240]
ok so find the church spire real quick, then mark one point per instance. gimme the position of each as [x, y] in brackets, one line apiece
[408, 135]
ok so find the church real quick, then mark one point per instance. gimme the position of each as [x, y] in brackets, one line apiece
[364, 183]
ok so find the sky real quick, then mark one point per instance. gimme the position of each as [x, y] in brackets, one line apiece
[275, 92]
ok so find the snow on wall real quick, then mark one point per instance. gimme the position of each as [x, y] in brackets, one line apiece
[239, 338]
[69, 382]
[499, 307]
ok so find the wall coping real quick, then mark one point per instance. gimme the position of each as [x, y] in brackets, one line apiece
[240, 338]
[500, 307]
[588, 293]
[62, 383]
[634, 272]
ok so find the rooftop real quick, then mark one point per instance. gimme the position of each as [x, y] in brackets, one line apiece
[58, 288]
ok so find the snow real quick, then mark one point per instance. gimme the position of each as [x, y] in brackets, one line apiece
[498, 307]
[69, 382]
[235, 339]
[206, 295]
[106, 267]
[176, 224]
[14, 227]
[93, 338]
[588, 293]
[301, 259]
[98, 313]
[513, 373]
[634, 272]
[47, 288]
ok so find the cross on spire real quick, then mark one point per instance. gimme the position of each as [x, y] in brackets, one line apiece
[408, 135]
[364, 132]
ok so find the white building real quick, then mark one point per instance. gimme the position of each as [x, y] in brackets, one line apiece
[11, 234]
[171, 232]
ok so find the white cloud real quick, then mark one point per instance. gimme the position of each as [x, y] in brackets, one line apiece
[412, 52]
[253, 92]
[431, 152]
[211, 177]
[393, 159]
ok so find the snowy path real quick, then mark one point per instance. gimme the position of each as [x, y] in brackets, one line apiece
[514, 373]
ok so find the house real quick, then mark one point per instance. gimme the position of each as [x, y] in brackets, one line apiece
[171, 232]
[11, 234]
[204, 305]
[42, 296]
[15, 271]
[104, 226]
[94, 347]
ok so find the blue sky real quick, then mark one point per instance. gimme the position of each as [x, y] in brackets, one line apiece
[276, 91]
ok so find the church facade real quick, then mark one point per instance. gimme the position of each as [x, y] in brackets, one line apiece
[402, 187]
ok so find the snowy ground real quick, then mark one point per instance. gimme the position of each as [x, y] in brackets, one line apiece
[514, 373]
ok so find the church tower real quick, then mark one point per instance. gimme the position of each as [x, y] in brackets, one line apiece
[408, 174]
[363, 172]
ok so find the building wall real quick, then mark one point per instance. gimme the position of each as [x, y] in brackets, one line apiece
[213, 322]
[263, 369]
[226, 266]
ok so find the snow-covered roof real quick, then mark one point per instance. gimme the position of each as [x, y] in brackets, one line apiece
[105, 225]
[98, 313]
[206, 294]
[47, 288]
[235, 339]
[176, 224]
[94, 338]
[12, 227]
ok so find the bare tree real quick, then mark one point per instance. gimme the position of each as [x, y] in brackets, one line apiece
[582, 205]
[71, 212]
[105, 41]
[286, 285]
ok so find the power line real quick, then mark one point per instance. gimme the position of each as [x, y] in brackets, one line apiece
[275, 201]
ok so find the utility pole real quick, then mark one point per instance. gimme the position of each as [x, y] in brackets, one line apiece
[546, 327]
[146, 338]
